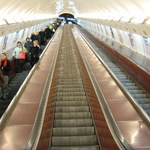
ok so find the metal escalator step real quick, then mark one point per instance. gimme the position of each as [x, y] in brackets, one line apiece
[143, 100]
[71, 94]
[122, 78]
[71, 103]
[68, 74]
[135, 91]
[148, 112]
[94, 147]
[69, 80]
[71, 98]
[132, 87]
[69, 65]
[111, 65]
[72, 109]
[138, 95]
[129, 84]
[73, 127]
[73, 123]
[70, 83]
[73, 131]
[69, 77]
[76, 115]
[60, 89]
[121, 74]
[70, 86]
[145, 106]
[74, 140]
[125, 81]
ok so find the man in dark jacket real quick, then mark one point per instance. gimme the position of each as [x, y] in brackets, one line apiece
[5, 67]
[28, 44]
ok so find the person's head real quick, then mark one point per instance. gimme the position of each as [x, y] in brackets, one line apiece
[3, 56]
[32, 33]
[36, 33]
[27, 39]
[35, 42]
[19, 43]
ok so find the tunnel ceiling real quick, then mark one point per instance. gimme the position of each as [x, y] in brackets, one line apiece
[42, 9]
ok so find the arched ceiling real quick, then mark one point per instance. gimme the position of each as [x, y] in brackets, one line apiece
[41, 9]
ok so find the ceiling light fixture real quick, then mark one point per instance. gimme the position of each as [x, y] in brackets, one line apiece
[125, 19]
[116, 18]
[137, 20]
[147, 22]
[2, 22]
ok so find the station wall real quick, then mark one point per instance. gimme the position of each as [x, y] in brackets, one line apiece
[133, 46]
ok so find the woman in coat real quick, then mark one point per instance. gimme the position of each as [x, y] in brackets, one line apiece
[34, 53]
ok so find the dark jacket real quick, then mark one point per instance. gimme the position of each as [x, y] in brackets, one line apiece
[28, 45]
[34, 55]
[5, 70]
[1, 79]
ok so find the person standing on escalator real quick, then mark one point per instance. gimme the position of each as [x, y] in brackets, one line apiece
[5, 67]
[19, 63]
[34, 53]
[28, 44]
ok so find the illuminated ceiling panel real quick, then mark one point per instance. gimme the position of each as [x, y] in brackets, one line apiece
[41, 9]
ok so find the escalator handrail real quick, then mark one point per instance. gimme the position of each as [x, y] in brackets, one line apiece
[116, 133]
[37, 127]
[15, 99]
[134, 103]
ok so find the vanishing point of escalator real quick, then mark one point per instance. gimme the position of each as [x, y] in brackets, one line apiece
[73, 117]
[73, 126]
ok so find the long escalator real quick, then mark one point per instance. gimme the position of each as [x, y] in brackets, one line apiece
[14, 85]
[132, 88]
[73, 125]
[70, 116]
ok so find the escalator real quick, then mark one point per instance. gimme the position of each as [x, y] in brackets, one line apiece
[73, 118]
[73, 125]
[70, 115]
[14, 85]
[133, 89]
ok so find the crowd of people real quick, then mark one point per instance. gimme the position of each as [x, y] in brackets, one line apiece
[23, 53]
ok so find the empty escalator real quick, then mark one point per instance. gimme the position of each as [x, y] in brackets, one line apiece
[70, 116]
[73, 126]
[138, 94]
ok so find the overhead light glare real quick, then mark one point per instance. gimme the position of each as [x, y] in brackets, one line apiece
[18, 20]
[2, 22]
[137, 20]
[103, 17]
[10, 21]
[125, 19]
[116, 18]
[147, 22]
[109, 18]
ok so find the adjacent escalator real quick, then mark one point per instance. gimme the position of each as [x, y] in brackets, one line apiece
[14, 86]
[138, 94]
